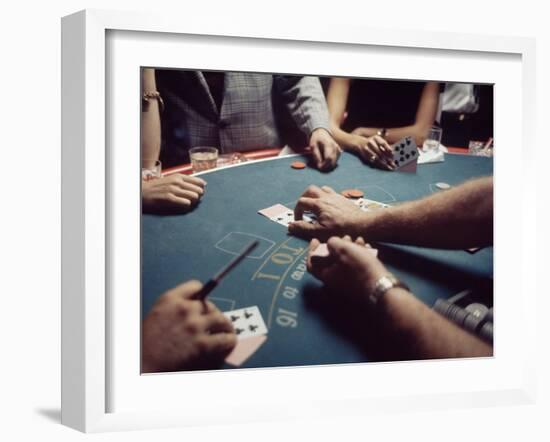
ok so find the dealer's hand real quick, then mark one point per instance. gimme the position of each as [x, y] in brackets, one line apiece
[181, 332]
[324, 149]
[336, 215]
[373, 150]
[350, 269]
[174, 193]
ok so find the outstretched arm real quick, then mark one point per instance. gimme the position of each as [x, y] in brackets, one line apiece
[460, 217]
[407, 326]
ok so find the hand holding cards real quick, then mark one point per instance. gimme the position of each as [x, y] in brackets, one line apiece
[283, 215]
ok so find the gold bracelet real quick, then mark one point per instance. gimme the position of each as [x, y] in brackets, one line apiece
[155, 95]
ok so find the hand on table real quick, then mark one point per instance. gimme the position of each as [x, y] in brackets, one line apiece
[324, 149]
[173, 193]
[373, 150]
[350, 269]
[181, 332]
[336, 215]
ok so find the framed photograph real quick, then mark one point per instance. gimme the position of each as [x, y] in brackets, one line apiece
[122, 250]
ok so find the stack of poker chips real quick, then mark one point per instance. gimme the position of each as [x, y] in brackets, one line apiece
[475, 317]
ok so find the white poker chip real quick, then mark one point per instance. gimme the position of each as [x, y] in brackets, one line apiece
[443, 186]
[477, 309]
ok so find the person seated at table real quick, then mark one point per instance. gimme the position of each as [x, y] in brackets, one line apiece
[184, 333]
[231, 111]
[408, 328]
[176, 192]
[458, 218]
[368, 115]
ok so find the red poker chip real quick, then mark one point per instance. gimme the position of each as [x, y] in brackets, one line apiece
[298, 165]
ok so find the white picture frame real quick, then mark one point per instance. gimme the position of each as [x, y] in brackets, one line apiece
[87, 212]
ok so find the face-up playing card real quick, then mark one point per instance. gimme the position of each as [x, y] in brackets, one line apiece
[367, 205]
[283, 215]
[322, 251]
[247, 322]
[405, 153]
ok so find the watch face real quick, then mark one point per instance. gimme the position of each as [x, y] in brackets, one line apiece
[383, 284]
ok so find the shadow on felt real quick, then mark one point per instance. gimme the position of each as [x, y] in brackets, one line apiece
[357, 325]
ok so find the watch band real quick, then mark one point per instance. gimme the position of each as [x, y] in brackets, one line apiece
[383, 284]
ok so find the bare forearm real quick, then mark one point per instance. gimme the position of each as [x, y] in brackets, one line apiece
[343, 138]
[150, 121]
[461, 217]
[416, 331]
[394, 134]
[418, 132]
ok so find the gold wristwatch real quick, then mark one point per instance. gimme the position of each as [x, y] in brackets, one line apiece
[383, 284]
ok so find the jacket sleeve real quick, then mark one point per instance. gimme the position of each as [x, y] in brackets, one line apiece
[305, 100]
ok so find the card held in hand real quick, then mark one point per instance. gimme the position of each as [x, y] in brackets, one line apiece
[322, 251]
[405, 154]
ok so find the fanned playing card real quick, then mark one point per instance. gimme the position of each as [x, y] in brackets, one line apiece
[247, 321]
[283, 215]
[405, 154]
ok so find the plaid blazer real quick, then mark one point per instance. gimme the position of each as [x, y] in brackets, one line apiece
[247, 118]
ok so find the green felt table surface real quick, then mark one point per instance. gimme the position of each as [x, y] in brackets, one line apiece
[304, 326]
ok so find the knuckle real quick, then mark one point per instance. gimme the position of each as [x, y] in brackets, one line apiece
[182, 308]
[193, 325]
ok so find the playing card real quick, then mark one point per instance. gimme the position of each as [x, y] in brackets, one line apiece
[404, 153]
[283, 215]
[322, 251]
[244, 349]
[247, 322]
[367, 205]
